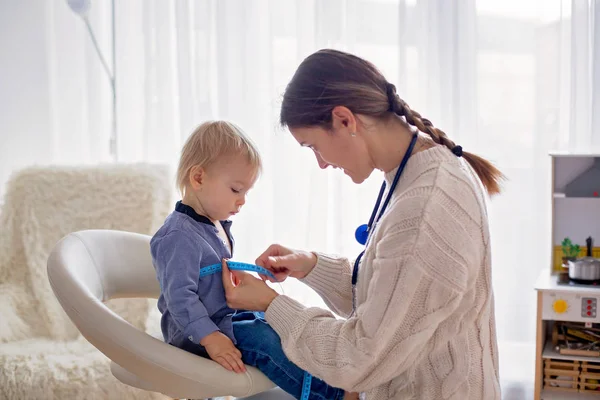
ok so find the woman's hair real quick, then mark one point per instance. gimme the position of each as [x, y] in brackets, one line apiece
[209, 143]
[330, 78]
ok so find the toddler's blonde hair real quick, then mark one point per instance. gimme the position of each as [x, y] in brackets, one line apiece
[210, 142]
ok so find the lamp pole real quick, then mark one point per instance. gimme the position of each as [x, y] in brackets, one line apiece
[81, 8]
[113, 138]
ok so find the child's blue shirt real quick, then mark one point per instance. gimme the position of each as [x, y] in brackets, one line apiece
[191, 307]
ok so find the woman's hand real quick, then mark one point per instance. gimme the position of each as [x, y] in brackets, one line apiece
[284, 262]
[244, 291]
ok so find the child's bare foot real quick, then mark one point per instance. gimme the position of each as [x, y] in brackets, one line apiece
[350, 396]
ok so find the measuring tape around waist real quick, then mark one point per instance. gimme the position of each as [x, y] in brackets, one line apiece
[239, 266]
[235, 266]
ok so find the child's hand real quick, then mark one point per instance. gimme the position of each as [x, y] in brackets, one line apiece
[222, 350]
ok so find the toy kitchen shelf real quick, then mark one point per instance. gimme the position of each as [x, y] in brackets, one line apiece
[575, 212]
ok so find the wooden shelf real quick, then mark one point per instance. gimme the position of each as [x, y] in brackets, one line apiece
[549, 352]
[556, 395]
[579, 153]
[559, 195]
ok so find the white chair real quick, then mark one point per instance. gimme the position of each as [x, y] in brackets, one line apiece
[87, 268]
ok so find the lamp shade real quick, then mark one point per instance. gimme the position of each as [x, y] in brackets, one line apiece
[80, 7]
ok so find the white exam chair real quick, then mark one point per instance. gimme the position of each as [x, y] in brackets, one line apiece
[87, 268]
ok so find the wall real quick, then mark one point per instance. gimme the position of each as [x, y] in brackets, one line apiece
[24, 87]
[52, 86]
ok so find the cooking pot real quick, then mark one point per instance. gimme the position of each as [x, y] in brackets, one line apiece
[585, 269]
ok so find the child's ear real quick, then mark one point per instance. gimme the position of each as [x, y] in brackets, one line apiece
[196, 177]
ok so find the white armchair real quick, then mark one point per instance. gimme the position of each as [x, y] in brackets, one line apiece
[86, 269]
[42, 354]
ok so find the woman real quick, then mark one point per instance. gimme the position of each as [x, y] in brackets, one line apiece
[419, 323]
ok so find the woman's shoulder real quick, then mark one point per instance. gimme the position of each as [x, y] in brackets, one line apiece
[440, 195]
[436, 178]
[439, 216]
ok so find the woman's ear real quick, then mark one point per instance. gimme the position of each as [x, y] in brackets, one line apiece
[343, 120]
[196, 177]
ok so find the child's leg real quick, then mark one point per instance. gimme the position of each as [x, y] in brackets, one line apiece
[261, 347]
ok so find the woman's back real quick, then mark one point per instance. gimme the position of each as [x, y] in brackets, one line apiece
[430, 299]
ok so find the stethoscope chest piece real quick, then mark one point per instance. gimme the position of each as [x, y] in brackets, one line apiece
[362, 234]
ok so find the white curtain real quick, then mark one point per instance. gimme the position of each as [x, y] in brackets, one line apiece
[509, 80]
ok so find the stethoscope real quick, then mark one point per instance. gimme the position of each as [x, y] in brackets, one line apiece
[363, 232]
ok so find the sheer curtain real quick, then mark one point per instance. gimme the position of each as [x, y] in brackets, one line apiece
[508, 80]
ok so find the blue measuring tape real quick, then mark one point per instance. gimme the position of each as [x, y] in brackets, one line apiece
[306, 385]
[239, 266]
[235, 266]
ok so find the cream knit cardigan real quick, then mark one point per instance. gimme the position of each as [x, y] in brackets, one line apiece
[424, 326]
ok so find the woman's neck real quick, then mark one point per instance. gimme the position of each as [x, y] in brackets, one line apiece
[389, 145]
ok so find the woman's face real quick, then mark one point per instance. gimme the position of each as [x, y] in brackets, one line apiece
[338, 147]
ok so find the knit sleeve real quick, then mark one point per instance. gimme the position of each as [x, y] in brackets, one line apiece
[331, 278]
[415, 286]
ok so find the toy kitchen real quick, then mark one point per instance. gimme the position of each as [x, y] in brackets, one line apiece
[568, 293]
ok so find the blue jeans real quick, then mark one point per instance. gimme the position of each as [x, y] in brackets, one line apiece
[261, 348]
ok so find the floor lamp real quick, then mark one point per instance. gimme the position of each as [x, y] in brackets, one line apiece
[82, 8]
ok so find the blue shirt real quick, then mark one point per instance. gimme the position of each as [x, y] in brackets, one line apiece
[191, 307]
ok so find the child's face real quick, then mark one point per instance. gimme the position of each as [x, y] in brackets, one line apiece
[222, 187]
